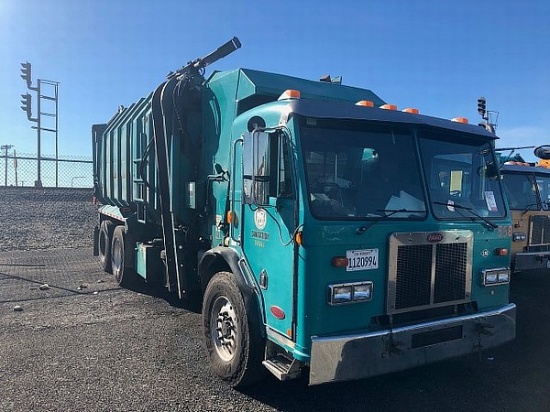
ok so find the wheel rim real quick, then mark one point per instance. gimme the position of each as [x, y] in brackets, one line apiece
[224, 328]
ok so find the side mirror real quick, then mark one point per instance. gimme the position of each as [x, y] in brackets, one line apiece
[542, 152]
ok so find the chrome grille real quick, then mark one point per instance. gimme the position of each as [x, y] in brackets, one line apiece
[539, 230]
[425, 274]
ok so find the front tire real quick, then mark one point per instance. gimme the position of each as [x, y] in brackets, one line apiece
[233, 341]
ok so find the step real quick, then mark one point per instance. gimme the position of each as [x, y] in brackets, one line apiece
[282, 367]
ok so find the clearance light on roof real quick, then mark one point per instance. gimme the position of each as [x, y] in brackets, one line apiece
[289, 94]
[512, 162]
[411, 110]
[365, 103]
[459, 120]
[388, 106]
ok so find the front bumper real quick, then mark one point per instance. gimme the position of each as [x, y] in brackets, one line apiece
[531, 261]
[360, 356]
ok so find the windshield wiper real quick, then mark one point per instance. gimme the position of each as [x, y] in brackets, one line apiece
[469, 209]
[363, 229]
[529, 207]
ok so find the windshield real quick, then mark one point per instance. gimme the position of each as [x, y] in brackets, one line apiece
[543, 186]
[462, 174]
[362, 172]
[521, 190]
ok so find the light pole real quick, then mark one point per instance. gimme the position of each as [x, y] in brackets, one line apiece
[6, 147]
[26, 106]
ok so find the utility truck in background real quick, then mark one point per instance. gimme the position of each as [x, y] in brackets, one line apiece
[322, 230]
[527, 188]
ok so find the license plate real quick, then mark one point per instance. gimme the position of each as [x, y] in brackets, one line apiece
[364, 259]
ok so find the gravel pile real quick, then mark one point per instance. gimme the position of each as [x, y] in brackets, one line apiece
[38, 219]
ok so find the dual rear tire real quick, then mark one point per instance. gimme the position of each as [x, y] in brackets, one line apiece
[106, 229]
[231, 324]
[116, 252]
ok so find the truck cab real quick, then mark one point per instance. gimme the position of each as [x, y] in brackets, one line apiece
[371, 233]
[527, 187]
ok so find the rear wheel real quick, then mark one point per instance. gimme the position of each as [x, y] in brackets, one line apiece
[121, 257]
[104, 244]
[233, 340]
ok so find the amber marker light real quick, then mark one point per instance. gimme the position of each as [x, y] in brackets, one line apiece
[340, 261]
[289, 94]
[501, 251]
[388, 106]
[229, 216]
[298, 237]
[365, 103]
[460, 120]
[411, 110]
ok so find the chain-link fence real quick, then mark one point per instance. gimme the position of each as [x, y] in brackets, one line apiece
[27, 170]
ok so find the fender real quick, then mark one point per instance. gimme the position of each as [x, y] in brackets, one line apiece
[223, 258]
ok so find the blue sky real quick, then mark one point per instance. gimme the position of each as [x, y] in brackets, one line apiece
[437, 56]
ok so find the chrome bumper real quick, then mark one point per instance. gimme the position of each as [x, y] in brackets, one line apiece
[360, 356]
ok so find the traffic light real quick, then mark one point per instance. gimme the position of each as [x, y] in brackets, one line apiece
[482, 107]
[26, 73]
[26, 105]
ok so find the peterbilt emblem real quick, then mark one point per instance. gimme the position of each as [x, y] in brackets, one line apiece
[434, 237]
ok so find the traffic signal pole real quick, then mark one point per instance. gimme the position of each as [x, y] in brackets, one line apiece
[27, 107]
[38, 182]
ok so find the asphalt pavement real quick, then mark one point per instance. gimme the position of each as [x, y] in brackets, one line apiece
[72, 340]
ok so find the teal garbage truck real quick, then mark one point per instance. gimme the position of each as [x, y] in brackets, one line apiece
[322, 231]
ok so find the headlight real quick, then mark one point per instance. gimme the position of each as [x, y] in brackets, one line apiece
[350, 292]
[341, 294]
[498, 276]
[504, 276]
[518, 236]
[362, 291]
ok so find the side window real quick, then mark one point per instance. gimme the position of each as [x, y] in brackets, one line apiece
[267, 170]
[284, 169]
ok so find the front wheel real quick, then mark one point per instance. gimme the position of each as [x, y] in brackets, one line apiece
[233, 340]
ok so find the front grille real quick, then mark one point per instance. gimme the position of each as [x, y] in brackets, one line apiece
[539, 230]
[426, 274]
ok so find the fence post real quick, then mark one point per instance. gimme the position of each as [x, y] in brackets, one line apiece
[6, 147]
